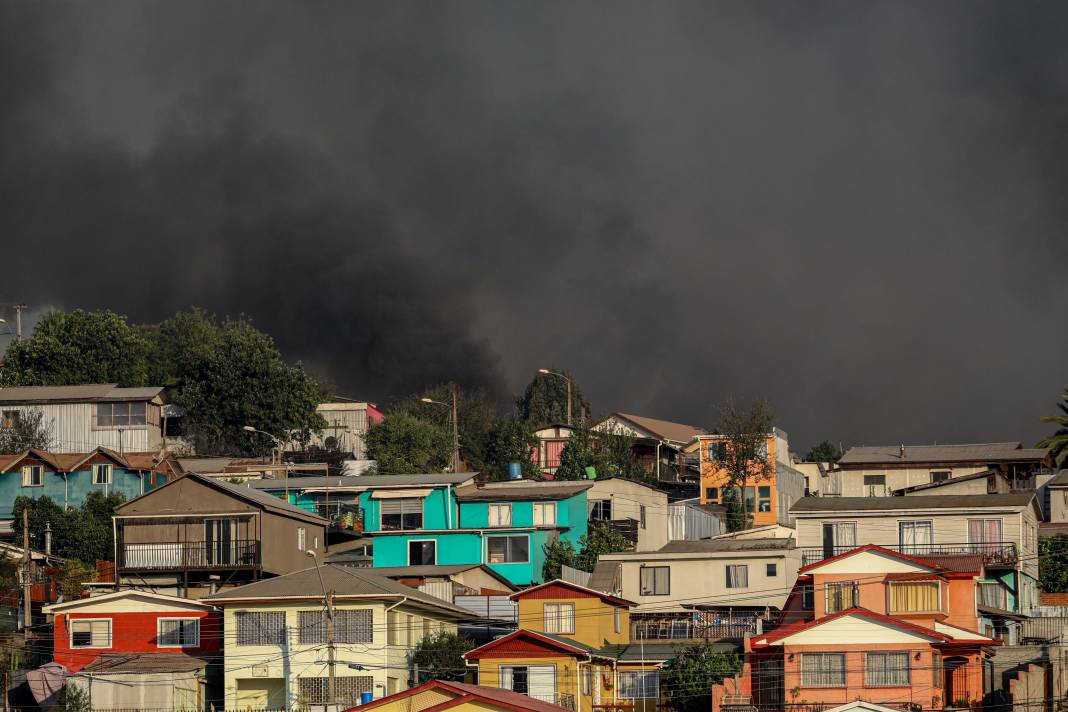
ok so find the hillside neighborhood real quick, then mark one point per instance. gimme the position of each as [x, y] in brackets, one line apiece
[615, 563]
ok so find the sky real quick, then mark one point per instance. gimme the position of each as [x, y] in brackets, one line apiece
[851, 210]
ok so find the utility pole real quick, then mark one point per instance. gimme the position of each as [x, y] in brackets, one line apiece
[27, 619]
[455, 434]
[18, 321]
[330, 652]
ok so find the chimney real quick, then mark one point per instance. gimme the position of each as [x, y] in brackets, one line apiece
[902, 454]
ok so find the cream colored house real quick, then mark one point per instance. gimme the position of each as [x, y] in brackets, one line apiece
[276, 654]
[615, 499]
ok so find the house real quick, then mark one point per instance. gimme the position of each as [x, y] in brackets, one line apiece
[197, 533]
[658, 444]
[768, 496]
[138, 650]
[877, 625]
[277, 653]
[551, 438]
[875, 471]
[573, 649]
[85, 417]
[67, 478]
[713, 589]
[638, 510]
[347, 422]
[449, 581]
[1001, 529]
[458, 696]
[982, 482]
[1056, 506]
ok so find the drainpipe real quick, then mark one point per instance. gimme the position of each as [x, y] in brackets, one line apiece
[65, 505]
[448, 506]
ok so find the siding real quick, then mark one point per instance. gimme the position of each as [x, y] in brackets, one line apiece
[70, 492]
[73, 431]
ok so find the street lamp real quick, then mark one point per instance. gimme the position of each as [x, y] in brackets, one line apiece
[547, 372]
[277, 441]
[328, 601]
[455, 428]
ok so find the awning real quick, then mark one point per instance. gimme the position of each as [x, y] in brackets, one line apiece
[399, 494]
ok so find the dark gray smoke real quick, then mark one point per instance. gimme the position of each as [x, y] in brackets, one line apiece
[853, 210]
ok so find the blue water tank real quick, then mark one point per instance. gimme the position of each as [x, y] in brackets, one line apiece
[366, 698]
[515, 471]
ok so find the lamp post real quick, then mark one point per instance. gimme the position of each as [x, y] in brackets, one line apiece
[328, 601]
[455, 428]
[547, 372]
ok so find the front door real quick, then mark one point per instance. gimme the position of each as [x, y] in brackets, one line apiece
[956, 680]
[220, 541]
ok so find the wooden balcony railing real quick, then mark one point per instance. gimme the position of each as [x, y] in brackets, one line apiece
[994, 553]
[177, 556]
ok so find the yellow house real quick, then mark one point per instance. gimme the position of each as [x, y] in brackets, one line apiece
[573, 649]
[458, 696]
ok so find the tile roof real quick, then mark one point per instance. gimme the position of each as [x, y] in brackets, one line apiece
[969, 452]
[77, 393]
[521, 490]
[144, 662]
[664, 429]
[875, 504]
[365, 481]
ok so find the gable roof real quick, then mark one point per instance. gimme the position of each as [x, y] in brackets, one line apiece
[793, 629]
[521, 490]
[875, 548]
[123, 596]
[438, 570]
[465, 692]
[564, 645]
[560, 583]
[74, 461]
[877, 504]
[963, 453]
[344, 581]
[663, 429]
[82, 393]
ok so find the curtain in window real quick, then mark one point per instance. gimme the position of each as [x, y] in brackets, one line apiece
[655, 580]
[737, 576]
[639, 685]
[887, 669]
[841, 595]
[984, 531]
[559, 618]
[916, 536]
[845, 536]
[914, 596]
[823, 669]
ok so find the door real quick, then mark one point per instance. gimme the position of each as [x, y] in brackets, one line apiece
[956, 680]
[220, 541]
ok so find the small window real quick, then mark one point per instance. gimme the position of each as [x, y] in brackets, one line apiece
[762, 451]
[840, 596]
[712, 494]
[601, 510]
[500, 515]
[507, 549]
[915, 597]
[178, 633]
[10, 419]
[886, 669]
[559, 618]
[808, 598]
[639, 685]
[737, 576]
[771, 569]
[874, 480]
[302, 538]
[401, 514]
[90, 633]
[101, 474]
[422, 553]
[764, 498]
[641, 516]
[716, 451]
[654, 581]
[823, 669]
[32, 476]
[587, 680]
[545, 514]
[939, 475]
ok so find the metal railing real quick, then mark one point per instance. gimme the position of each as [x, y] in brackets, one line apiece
[994, 553]
[705, 625]
[341, 515]
[168, 556]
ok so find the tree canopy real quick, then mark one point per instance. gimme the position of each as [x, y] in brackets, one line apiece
[825, 451]
[608, 453]
[404, 444]
[29, 430]
[82, 533]
[692, 673]
[1053, 564]
[1058, 442]
[439, 656]
[545, 399]
[743, 453]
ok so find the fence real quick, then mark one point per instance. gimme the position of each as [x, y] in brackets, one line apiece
[189, 555]
[1044, 630]
[994, 553]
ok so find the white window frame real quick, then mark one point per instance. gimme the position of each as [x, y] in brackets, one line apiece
[555, 612]
[727, 575]
[70, 633]
[886, 654]
[541, 508]
[26, 479]
[814, 656]
[408, 551]
[643, 692]
[498, 508]
[159, 631]
[506, 536]
[102, 467]
[302, 539]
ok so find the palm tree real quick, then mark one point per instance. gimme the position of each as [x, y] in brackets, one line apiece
[1058, 442]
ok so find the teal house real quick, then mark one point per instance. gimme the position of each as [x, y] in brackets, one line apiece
[415, 520]
[67, 478]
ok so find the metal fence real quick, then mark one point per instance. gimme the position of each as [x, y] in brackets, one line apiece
[994, 553]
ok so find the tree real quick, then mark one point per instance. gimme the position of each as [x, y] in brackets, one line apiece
[83, 534]
[30, 430]
[617, 456]
[510, 440]
[610, 454]
[1058, 442]
[558, 554]
[72, 698]
[403, 444]
[545, 400]
[475, 410]
[737, 519]
[825, 451]
[440, 657]
[75, 574]
[743, 452]
[600, 539]
[580, 451]
[1053, 564]
[692, 673]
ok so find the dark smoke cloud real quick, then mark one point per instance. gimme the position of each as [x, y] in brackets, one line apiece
[854, 211]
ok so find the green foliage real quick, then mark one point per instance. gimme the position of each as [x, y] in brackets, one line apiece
[737, 518]
[610, 454]
[744, 458]
[510, 440]
[404, 444]
[1053, 564]
[79, 347]
[1058, 442]
[75, 573]
[475, 410]
[9, 577]
[545, 400]
[72, 698]
[617, 456]
[30, 430]
[598, 540]
[825, 451]
[557, 554]
[440, 657]
[580, 452]
[84, 534]
[692, 673]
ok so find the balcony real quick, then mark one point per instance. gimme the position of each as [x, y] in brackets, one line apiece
[698, 626]
[343, 516]
[995, 554]
[196, 555]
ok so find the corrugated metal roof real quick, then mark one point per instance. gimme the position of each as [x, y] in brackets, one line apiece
[700, 546]
[967, 452]
[1059, 480]
[943, 483]
[144, 662]
[77, 393]
[520, 490]
[947, 501]
[364, 481]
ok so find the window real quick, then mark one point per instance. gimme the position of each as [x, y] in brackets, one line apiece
[875, 485]
[936, 669]
[916, 537]
[984, 531]
[313, 690]
[716, 451]
[639, 684]
[641, 516]
[587, 680]
[422, 553]
[90, 633]
[762, 451]
[771, 569]
[654, 581]
[823, 669]
[402, 513]
[887, 669]
[808, 599]
[764, 498]
[914, 596]
[32, 476]
[507, 549]
[10, 419]
[559, 617]
[712, 494]
[600, 510]
[841, 595]
[302, 538]
[545, 514]
[838, 538]
[939, 475]
[617, 620]
[500, 515]
[349, 626]
[260, 627]
[101, 474]
[120, 415]
[537, 681]
[737, 576]
[178, 633]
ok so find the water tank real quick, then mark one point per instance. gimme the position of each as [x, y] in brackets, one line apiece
[591, 473]
[366, 698]
[515, 471]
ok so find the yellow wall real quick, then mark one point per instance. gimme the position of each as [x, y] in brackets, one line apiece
[595, 622]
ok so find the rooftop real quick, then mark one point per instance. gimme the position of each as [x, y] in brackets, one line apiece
[492, 696]
[144, 662]
[877, 504]
[951, 481]
[363, 481]
[521, 489]
[94, 392]
[663, 429]
[942, 454]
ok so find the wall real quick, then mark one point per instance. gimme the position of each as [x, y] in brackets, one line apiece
[594, 619]
[1058, 504]
[144, 691]
[567, 674]
[435, 512]
[973, 486]
[71, 492]
[73, 429]
[898, 477]
[783, 493]
[278, 545]
[627, 498]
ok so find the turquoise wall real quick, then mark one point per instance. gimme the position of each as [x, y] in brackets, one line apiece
[79, 485]
[466, 547]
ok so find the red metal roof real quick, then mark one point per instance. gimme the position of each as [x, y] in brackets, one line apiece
[515, 701]
[786, 631]
[874, 547]
[521, 642]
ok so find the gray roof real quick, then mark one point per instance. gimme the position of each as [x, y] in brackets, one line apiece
[344, 581]
[950, 481]
[969, 452]
[437, 570]
[204, 464]
[605, 577]
[701, 546]
[144, 662]
[521, 489]
[77, 394]
[366, 481]
[1059, 480]
[946, 501]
